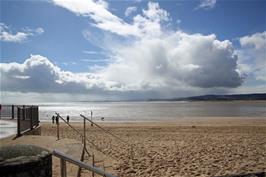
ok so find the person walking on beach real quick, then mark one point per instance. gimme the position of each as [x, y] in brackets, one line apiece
[57, 120]
[91, 118]
[53, 119]
[67, 118]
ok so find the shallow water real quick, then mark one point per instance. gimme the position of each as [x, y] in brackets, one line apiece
[152, 111]
[7, 128]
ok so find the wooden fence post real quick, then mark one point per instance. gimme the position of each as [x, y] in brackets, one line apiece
[18, 121]
[37, 116]
[31, 117]
[13, 112]
[23, 112]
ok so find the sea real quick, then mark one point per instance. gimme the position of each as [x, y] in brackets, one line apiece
[139, 111]
[152, 111]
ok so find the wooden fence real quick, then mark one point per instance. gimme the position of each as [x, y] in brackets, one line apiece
[26, 116]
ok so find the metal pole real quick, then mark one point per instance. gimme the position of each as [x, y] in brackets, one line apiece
[57, 126]
[81, 159]
[63, 167]
[84, 132]
[93, 164]
[81, 164]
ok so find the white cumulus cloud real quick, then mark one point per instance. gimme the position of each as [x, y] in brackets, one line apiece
[130, 10]
[98, 12]
[179, 61]
[157, 63]
[252, 55]
[206, 4]
[148, 23]
[7, 36]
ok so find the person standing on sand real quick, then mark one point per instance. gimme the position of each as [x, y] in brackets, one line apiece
[53, 119]
[67, 118]
[57, 120]
[91, 118]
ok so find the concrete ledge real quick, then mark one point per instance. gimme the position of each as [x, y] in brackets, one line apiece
[258, 174]
[25, 161]
[35, 131]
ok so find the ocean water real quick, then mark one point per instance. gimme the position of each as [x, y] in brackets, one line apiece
[7, 128]
[152, 111]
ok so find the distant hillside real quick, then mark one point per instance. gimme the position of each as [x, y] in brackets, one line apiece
[255, 96]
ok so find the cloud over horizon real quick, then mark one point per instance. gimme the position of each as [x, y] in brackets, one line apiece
[178, 61]
[156, 61]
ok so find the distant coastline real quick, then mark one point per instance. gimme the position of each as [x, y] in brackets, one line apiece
[233, 97]
[211, 97]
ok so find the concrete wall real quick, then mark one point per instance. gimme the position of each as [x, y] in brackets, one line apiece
[25, 161]
[35, 131]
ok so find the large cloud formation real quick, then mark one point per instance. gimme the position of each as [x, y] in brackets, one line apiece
[178, 59]
[157, 62]
[150, 64]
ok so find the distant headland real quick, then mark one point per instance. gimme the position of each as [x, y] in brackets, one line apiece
[233, 97]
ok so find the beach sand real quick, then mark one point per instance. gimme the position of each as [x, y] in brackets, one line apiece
[187, 147]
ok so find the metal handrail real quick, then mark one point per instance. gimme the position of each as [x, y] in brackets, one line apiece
[63, 158]
[115, 136]
[80, 134]
[106, 131]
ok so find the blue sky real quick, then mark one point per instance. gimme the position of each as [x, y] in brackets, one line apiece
[110, 54]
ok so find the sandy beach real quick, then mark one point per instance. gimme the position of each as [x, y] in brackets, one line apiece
[188, 147]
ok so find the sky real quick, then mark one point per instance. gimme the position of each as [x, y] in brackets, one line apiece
[85, 50]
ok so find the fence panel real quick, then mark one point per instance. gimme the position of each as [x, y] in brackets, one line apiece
[7, 111]
[27, 116]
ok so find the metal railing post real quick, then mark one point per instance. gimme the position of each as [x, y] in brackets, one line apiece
[63, 168]
[93, 164]
[57, 127]
[79, 163]
[84, 132]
